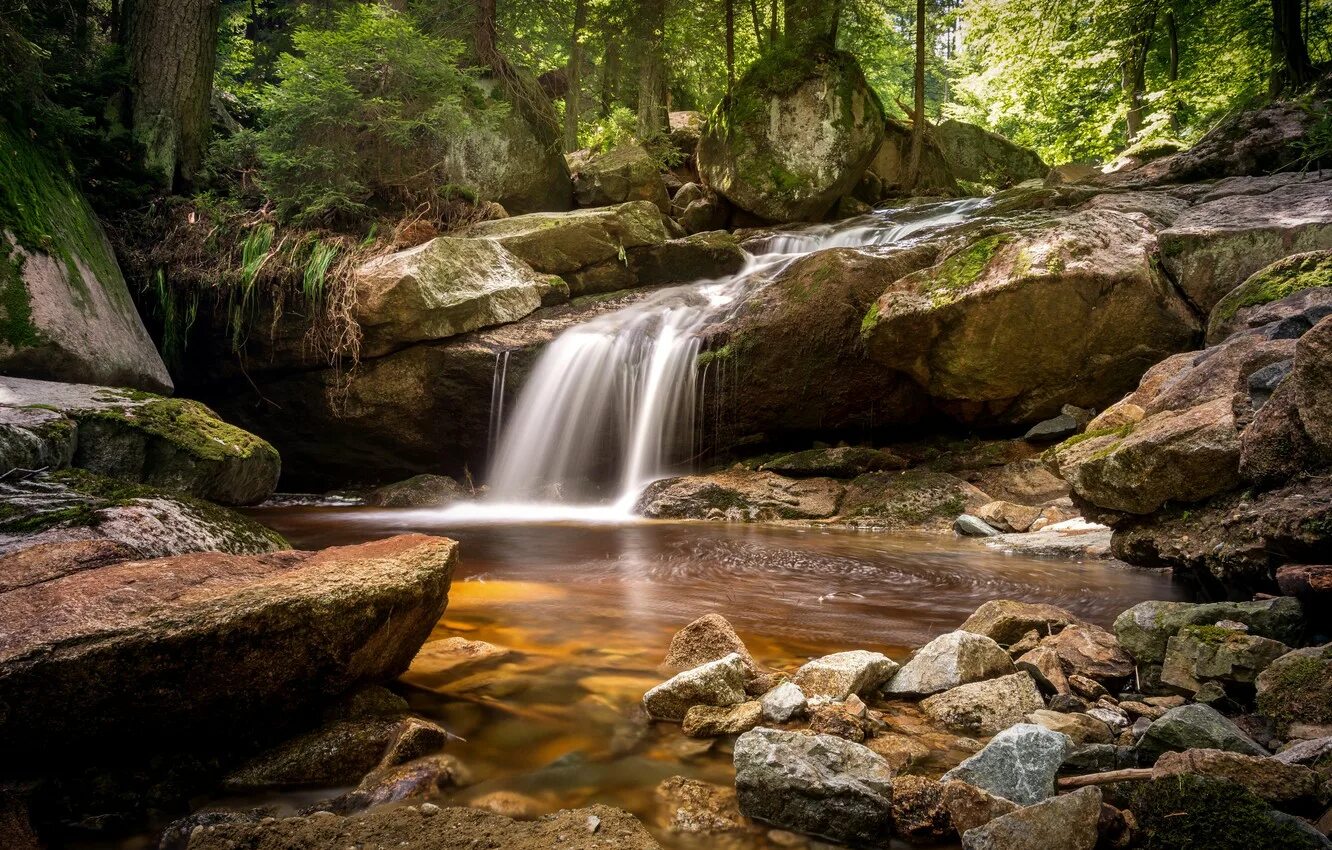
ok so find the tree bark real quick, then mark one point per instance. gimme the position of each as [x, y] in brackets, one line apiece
[171, 46]
[573, 98]
[652, 117]
[772, 23]
[758, 23]
[730, 46]
[1172, 67]
[1292, 69]
[610, 73]
[1128, 774]
[918, 113]
[1135, 75]
[484, 35]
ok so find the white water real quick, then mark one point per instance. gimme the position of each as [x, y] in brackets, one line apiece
[614, 400]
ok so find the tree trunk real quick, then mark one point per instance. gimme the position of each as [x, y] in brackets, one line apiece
[573, 98]
[1292, 68]
[811, 24]
[730, 46]
[918, 113]
[1135, 75]
[610, 73]
[772, 23]
[484, 35]
[171, 46]
[652, 69]
[758, 23]
[1172, 67]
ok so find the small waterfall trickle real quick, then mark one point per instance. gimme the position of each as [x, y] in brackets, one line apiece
[611, 405]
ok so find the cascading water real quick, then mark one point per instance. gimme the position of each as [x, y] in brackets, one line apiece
[613, 400]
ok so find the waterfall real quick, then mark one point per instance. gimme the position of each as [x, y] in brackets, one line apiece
[610, 404]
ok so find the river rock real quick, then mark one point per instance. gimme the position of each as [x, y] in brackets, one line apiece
[708, 638]
[69, 315]
[1194, 726]
[1199, 654]
[845, 673]
[1200, 811]
[36, 438]
[510, 160]
[915, 500]
[419, 491]
[791, 140]
[838, 720]
[1092, 652]
[717, 683]
[970, 807]
[691, 807]
[980, 156]
[708, 721]
[1282, 785]
[1246, 306]
[1297, 687]
[919, 813]
[1310, 753]
[175, 444]
[1080, 728]
[435, 827]
[451, 658]
[837, 462]
[891, 163]
[1067, 822]
[1008, 517]
[1218, 243]
[739, 495]
[626, 172]
[817, 784]
[1005, 621]
[1024, 482]
[1145, 629]
[1045, 666]
[156, 623]
[1019, 764]
[783, 703]
[970, 526]
[985, 708]
[949, 660]
[1313, 362]
[73, 505]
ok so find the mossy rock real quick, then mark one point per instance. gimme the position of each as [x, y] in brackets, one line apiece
[1285, 277]
[176, 444]
[1188, 812]
[419, 491]
[917, 500]
[795, 135]
[1297, 687]
[65, 311]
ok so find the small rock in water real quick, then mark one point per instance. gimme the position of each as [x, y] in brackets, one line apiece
[707, 721]
[716, 683]
[1019, 764]
[844, 673]
[972, 526]
[783, 703]
[985, 708]
[709, 638]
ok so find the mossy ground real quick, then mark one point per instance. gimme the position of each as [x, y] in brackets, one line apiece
[945, 282]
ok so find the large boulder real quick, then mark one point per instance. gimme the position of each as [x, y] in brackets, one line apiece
[626, 172]
[1223, 239]
[1068, 822]
[1201, 654]
[949, 660]
[739, 495]
[171, 443]
[793, 137]
[892, 161]
[842, 674]
[1002, 328]
[1274, 781]
[1006, 621]
[1199, 811]
[141, 653]
[1194, 726]
[1144, 630]
[837, 462]
[980, 156]
[818, 784]
[441, 288]
[1019, 764]
[1243, 307]
[1297, 688]
[65, 311]
[35, 438]
[915, 500]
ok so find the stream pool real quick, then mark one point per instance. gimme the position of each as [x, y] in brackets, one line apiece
[589, 609]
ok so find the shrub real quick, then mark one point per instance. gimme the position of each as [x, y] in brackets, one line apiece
[362, 119]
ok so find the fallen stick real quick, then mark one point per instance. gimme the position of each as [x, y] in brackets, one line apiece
[1128, 774]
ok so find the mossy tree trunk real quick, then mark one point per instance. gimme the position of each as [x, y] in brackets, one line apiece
[652, 117]
[171, 46]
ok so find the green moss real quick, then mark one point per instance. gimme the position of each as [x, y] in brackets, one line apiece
[1210, 634]
[1192, 812]
[16, 327]
[961, 269]
[184, 423]
[1300, 690]
[870, 321]
[714, 354]
[1280, 279]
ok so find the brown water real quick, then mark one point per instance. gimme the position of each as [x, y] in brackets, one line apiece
[590, 609]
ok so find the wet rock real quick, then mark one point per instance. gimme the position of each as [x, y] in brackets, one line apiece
[1073, 539]
[691, 807]
[442, 828]
[1005, 621]
[837, 462]
[1145, 629]
[626, 172]
[510, 804]
[1199, 654]
[1282, 785]
[845, 673]
[708, 721]
[1067, 822]
[47, 561]
[453, 657]
[36, 438]
[1053, 430]
[949, 660]
[1045, 666]
[985, 708]
[919, 813]
[1296, 689]
[900, 751]
[170, 443]
[422, 778]
[916, 500]
[419, 491]
[1008, 517]
[717, 683]
[709, 638]
[1192, 727]
[1080, 728]
[156, 623]
[817, 784]
[783, 703]
[1019, 764]
[1092, 652]
[833, 719]
[970, 526]
[740, 495]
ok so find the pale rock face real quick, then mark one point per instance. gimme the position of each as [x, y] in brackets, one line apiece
[717, 683]
[783, 703]
[985, 708]
[1019, 764]
[845, 673]
[949, 660]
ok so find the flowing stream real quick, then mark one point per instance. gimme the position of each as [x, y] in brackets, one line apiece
[611, 404]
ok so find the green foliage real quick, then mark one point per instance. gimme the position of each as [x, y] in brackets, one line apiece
[363, 118]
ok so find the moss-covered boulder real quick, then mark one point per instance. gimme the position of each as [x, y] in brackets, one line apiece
[836, 462]
[170, 443]
[795, 135]
[1309, 273]
[1236, 230]
[911, 500]
[1297, 688]
[1188, 811]
[980, 156]
[65, 312]
[626, 172]
[1022, 316]
[419, 491]
[445, 287]
[892, 160]
[33, 438]
[73, 505]
[739, 495]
